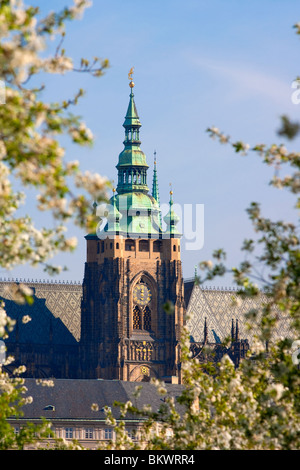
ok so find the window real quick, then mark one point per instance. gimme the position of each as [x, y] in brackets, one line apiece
[69, 433]
[157, 246]
[132, 434]
[108, 434]
[144, 245]
[89, 433]
[174, 247]
[117, 246]
[137, 320]
[49, 408]
[141, 319]
[147, 319]
[129, 245]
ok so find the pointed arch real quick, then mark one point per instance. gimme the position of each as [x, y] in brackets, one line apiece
[143, 312]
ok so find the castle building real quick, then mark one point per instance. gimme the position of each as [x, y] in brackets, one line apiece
[115, 325]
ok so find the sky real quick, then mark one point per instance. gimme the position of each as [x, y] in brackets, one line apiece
[197, 63]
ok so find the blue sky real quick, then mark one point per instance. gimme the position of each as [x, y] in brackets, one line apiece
[197, 64]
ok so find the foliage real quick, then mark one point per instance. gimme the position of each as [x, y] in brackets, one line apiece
[32, 157]
[11, 404]
[30, 153]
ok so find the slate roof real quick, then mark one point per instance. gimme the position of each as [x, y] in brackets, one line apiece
[220, 307]
[56, 307]
[72, 399]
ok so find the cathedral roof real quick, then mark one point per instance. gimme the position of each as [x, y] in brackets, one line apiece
[60, 305]
[55, 312]
[219, 307]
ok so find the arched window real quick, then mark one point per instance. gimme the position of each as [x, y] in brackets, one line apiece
[144, 245]
[142, 296]
[129, 245]
[147, 319]
[137, 318]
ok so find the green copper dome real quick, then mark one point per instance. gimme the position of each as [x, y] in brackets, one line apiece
[140, 214]
[132, 157]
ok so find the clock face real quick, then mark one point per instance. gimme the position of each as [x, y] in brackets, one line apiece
[141, 294]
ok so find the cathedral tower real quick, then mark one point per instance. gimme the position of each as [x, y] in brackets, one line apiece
[132, 271]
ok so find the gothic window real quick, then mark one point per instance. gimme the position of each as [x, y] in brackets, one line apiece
[141, 318]
[147, 318]
[137, 323]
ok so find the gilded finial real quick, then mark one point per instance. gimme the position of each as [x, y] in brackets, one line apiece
[171, 191]
[131, 84]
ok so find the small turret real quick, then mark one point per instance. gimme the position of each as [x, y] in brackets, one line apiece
[172, 219]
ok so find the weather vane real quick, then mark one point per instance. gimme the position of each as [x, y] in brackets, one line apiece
[131, 84]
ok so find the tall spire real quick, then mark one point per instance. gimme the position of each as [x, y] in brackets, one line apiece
[155, 191]
[171, 218]
[132, 166]
[132, 118]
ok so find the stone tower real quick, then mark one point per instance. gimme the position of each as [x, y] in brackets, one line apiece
[132, 271]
